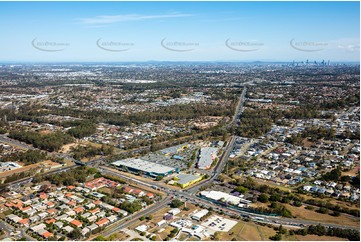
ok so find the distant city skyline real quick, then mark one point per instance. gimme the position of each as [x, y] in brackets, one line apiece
[179, 31]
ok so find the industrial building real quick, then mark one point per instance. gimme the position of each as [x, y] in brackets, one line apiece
[185, 180]
[199, 215]
[224, 197]
[206, 157]
[146, 167]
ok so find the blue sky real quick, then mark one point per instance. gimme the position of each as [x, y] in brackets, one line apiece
[179, 31]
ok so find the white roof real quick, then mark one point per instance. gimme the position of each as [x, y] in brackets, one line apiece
[160, 223]
[112, 218]
[145, 166]
[142, 228]
[38, 227]
[59, 224]
[85, 230]
[216, 195]
[68, 229]
[200, 214]
[92, 226]
[205, 157]
[174, 211]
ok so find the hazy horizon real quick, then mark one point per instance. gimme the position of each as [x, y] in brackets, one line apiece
[179, 31]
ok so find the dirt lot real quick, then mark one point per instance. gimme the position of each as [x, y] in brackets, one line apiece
[352, 172]
[66, 148]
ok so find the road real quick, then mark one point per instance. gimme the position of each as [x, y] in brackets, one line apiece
[29, 179]
[219, 167]
[11, 229]
[229, 147]
[190, 193]
[22, 145]
[6, 139]
[129, 220]
[240, 107]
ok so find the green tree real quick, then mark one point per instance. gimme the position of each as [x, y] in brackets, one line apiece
[263, 198]
[75, 234]
[176, 203]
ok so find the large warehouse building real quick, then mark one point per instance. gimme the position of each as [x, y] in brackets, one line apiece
[206, 157]
[148, 168]
[226, 198]
[185, 180]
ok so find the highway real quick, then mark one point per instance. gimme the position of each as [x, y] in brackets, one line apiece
[240, 107]
[6, 139]
[29, 179]
[189, 195]
[132, 218]
[22, 145]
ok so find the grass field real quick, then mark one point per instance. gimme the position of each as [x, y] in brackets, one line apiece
[334, 201]
[164, 234]
[311, 238]
[302, 213]
[247, 231]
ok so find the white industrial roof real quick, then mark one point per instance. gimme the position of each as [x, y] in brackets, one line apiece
[216, 195]
[200, 214]
[205, 157]
[145, 166]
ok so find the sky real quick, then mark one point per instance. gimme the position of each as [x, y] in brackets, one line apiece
[179, 31]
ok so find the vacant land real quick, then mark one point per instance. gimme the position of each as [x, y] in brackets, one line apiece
[312, 238]
[247, 231]
[302, 213]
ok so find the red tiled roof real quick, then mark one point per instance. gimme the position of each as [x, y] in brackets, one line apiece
[52, 220]
[52, 210]
[24, 221]
[26, 208]
[95, 210]
[102, 221]
[137, 191]
[18, 205]
[76, 223]
[97, 202]
[9, 204]
[50, 204]
[72, 202]
[47, 234]
[101, 182]
[115, 209]
[78, 209]
[127, 189]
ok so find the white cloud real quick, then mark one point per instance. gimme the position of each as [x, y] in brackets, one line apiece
[347, 44]
[351, 47]
[111, 19]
